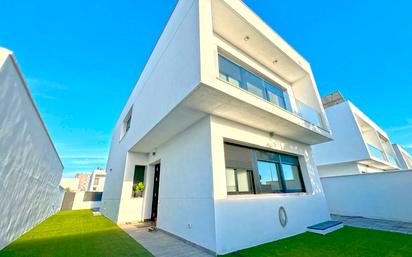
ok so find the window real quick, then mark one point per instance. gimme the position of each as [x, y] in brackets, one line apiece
[96, 181]
[127, 122]
[269, 175]
[229, 72]
[253, 171]
[238, 76]
[138, 177]
[276, 95]
[254, 84]
[239, 181]
[292, 177]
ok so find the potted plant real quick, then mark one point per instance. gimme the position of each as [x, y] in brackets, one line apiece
[138, 189]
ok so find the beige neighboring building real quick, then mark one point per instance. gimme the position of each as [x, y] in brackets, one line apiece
[84, 179]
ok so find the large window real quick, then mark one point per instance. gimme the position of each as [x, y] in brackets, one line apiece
[238, 76]
[253, 171]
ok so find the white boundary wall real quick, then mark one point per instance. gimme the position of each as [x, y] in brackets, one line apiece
[385, 195]
[80, 204]
[30, 168]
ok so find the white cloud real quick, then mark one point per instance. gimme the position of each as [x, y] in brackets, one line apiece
[405, 127]
[36, 83]
[44, 88]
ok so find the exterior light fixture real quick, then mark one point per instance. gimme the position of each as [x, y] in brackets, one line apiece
[246, 38]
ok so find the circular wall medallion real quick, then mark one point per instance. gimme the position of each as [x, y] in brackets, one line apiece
[283, 217]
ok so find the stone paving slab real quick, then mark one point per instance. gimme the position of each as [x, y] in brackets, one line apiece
[161, 244]
[377, 224]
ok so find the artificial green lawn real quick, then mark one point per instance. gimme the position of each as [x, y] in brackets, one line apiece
[75, 234]
[349, 242]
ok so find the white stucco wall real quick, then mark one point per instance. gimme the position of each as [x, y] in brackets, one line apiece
[346, 168]
[385, 195]
[186, 206]
[80, 204]
[245, 221]
[348, 144]
[30, 168]
[171, 72]
[132, 209]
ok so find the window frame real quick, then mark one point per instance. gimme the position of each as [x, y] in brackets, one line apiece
[278, 159]
[265, 84]
[126, 124]
[250, 180]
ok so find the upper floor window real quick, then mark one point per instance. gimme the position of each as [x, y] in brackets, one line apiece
[238, 76]
[127, 122]
[253, 171]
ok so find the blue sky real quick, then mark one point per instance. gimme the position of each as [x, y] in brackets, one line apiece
[82, 59]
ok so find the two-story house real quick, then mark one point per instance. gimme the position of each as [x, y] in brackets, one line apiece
[219, 128]
[359, 145]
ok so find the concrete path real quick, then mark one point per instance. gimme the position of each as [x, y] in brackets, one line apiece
[385, 225]
[161, 244]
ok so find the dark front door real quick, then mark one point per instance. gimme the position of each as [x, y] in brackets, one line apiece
[155, 192]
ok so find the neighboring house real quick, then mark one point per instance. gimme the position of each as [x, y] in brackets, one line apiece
[97, 179]
[84, 179]
[30, 168]
[219, 127]
[359, 145]
[70, 184]
[404, 158]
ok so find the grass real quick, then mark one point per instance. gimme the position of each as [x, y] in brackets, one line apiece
[348, 241]
[77, 234]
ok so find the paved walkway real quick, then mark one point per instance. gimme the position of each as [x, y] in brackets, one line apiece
[161, 244]
[386, 225]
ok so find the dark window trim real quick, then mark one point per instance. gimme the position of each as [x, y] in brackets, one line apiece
[255, 172]
[286, 101]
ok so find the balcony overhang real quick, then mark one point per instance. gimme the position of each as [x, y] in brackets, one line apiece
[234, 104]
[379, 164]
[254, 37]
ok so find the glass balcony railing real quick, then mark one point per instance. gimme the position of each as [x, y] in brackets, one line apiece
[392, 159]
[240, 77]
[376, 152]
[309, 114]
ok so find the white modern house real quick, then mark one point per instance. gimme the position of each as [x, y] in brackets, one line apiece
[404, 158]
[97, 180]
[359, 146]
[219, 128]
[30, 168]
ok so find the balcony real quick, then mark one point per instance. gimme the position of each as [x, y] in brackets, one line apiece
[378, 145]
[238, 76]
